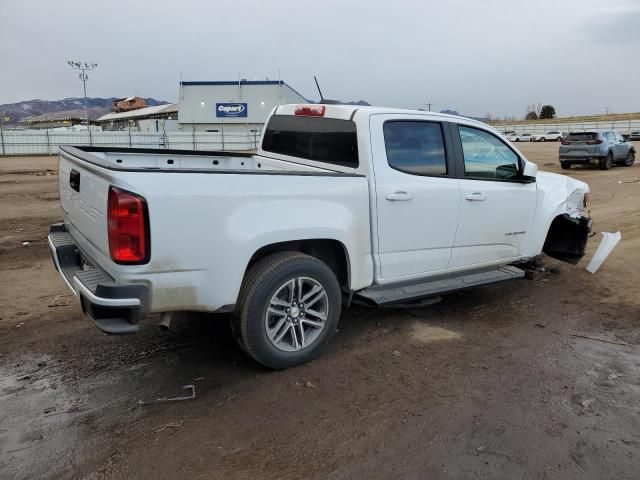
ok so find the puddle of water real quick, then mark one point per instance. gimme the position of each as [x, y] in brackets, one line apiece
[428, 333]
[32, 414]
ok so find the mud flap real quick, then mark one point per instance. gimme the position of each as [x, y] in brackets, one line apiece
[567, 238]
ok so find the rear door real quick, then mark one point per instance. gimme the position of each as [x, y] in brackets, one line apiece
[496, 209]
[620, 148]
[416, 195]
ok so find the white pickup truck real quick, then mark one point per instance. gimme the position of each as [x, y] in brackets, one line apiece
[339, 204]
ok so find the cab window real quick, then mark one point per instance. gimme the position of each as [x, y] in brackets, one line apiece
[416, 147]
[485, 156]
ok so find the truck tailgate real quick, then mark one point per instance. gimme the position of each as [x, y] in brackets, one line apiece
[83, 197]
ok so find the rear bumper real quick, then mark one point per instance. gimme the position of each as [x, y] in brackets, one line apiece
[581, 159]
[114, 308]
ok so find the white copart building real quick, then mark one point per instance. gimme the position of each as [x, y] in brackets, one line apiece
[231, 107]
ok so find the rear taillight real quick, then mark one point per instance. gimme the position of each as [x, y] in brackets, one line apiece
[128, 226]
[585, 199]
[310, 110]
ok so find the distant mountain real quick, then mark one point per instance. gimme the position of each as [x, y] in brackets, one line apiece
[328, 101]
[32, 108]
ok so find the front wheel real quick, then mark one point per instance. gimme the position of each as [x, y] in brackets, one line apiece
[288, 309]
[606, 162]
[630, 159]
[543, 139]
[565, 165]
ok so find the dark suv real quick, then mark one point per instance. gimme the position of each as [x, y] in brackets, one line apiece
[601, 147]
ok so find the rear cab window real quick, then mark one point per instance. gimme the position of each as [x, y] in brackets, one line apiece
[326, 140]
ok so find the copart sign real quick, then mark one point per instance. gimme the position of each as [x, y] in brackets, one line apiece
[231, 109]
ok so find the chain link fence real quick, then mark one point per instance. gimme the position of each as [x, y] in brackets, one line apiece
[46, 142]
[623, 127]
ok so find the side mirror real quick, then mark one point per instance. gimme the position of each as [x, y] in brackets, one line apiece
[530, 171]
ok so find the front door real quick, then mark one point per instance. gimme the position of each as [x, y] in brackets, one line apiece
[496, 210]
[416, 196]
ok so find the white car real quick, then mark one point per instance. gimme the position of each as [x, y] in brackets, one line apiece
[340, 204]
[551, 136]
[522, 137]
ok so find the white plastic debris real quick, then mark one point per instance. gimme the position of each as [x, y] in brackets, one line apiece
[607, 244]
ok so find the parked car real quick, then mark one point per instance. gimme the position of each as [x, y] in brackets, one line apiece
[603, 148]
[286, 238]
[634, 135]
[508, 133]
[553, 136]
[522, 137]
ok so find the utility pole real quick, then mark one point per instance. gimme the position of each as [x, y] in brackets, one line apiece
[606, 109]
[82, 75]
[428, 104]
[2, 132]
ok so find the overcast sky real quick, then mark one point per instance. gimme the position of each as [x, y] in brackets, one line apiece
[473, 56]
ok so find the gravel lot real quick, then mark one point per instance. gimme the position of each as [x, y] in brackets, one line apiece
[530, 379]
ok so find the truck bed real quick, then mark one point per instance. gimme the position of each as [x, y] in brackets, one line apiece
[208, 213]
[139, 159]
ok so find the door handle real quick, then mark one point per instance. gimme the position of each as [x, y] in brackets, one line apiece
[476, 197]
[399, 196]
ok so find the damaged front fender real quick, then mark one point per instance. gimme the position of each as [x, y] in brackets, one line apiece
[567, 238]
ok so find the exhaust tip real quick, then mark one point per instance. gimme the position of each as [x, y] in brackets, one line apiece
[165, 322]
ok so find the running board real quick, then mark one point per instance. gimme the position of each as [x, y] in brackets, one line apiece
[383, 294]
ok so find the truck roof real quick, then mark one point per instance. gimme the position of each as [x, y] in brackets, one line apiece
[347, 112]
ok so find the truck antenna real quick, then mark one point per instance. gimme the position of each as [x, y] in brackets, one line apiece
[319, 91]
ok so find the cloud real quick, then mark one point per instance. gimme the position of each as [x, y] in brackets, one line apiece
[621, 28]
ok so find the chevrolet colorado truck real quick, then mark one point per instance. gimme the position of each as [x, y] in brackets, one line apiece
[340, 204]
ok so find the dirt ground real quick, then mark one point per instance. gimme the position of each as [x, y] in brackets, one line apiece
[535, 379]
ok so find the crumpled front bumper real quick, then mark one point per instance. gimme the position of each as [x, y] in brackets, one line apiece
[567, 238]
[114, 308]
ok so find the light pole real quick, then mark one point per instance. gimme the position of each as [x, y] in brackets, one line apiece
[82, 75]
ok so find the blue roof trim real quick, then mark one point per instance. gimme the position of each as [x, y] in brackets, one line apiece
[244, 82]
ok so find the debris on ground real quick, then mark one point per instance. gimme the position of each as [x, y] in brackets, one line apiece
[166, 426]
[172, 399]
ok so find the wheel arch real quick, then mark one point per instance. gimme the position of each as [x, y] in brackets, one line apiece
[566, 238]
[331, 251]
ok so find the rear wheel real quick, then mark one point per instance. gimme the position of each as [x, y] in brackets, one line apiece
[542, 139]
[606, 162]
[565, 165]
[629, 159]
[288, 309]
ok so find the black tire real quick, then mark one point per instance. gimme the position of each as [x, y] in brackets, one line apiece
[261, 283]
[606, 162]
[565, 165]
[542, 139]
[630, 159]
[517, 139]
[559, 139]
